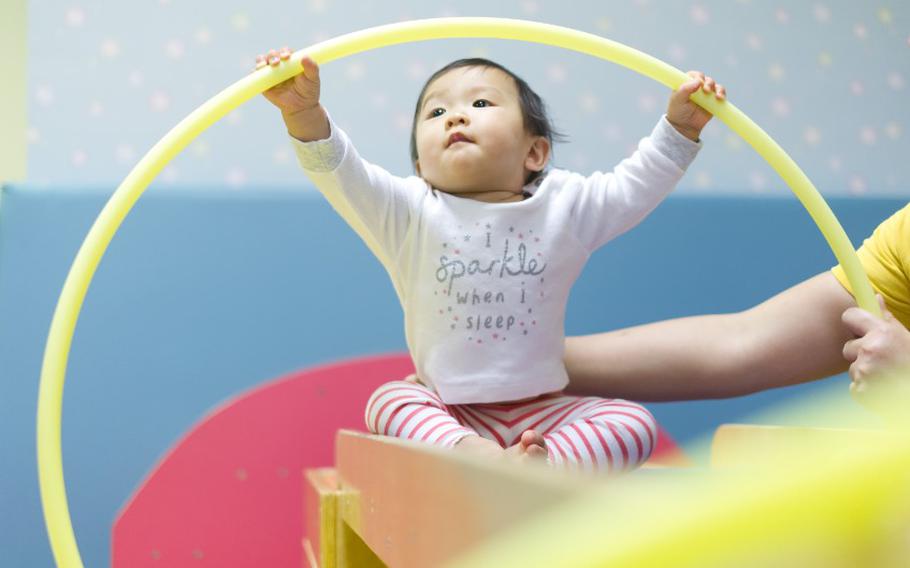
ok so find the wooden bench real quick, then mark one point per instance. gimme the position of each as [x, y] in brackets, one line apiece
[781, 496]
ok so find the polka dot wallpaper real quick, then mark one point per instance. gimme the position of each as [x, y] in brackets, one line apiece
[827, 79]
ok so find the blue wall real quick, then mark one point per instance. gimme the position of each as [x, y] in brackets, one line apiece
[206, 292]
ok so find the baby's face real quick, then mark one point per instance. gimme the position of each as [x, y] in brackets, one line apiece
[470, 134]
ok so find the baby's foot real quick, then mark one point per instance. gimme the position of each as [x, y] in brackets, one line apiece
[534, 444]
[531, 446]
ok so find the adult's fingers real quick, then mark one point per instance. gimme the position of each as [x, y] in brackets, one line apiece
[859, 321]
[851, 349]
[858, 374]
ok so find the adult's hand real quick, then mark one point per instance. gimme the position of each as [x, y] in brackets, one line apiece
[879, 357]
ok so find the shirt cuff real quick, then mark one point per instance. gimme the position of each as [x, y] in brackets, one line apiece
[321, 155]
[674, 145]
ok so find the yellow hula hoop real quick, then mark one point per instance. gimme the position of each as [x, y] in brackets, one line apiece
[50, 394]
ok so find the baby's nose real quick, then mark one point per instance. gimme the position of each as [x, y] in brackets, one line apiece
[456, 118]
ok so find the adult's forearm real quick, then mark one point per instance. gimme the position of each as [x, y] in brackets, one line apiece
[681, 359]
[794, 337]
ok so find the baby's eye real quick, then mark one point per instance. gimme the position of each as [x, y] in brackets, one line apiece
[437, 112]
[480, 103]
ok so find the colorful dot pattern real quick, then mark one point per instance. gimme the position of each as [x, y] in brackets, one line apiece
[827, 79]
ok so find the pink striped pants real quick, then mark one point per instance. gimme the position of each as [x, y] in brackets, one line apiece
[580, 432]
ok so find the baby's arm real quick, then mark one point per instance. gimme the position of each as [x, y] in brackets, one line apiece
[375, 203]
[614, 202]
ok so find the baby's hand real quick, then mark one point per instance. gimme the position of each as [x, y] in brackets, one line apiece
[298, 97]
[687, 117]
[298, 93]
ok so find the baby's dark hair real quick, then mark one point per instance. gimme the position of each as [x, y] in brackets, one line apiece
[533, 109]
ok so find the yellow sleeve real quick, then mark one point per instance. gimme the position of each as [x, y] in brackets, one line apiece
[885, 257]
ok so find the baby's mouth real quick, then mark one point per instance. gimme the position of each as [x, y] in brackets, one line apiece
[457, 137]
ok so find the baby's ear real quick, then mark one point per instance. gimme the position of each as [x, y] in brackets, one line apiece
[538, 154]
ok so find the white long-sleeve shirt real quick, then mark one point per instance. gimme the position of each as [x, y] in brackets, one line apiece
[484, 286]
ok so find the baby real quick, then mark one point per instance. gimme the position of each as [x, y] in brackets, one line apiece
[482, 246]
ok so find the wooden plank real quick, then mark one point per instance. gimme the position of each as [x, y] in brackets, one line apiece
[417, 505]
[320, 501]
[328, 541]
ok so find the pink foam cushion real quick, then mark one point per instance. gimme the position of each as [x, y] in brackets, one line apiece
[230, 492]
